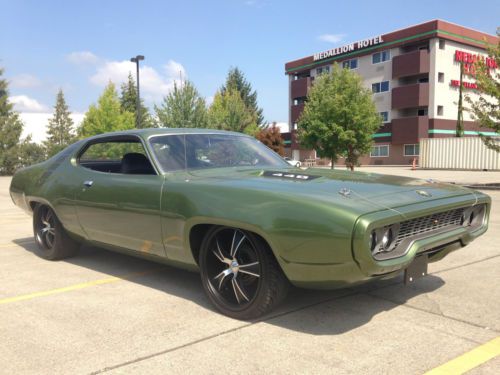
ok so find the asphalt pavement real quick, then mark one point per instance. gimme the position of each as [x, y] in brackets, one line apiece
[105, 312]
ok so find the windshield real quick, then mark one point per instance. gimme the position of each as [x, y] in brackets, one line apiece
[202, 151]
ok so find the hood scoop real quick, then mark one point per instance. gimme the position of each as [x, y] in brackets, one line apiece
[289, 176]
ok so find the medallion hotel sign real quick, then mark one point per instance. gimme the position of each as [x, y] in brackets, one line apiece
[348, 48]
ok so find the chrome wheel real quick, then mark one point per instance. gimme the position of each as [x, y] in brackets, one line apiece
[233, 268]
[45, 228]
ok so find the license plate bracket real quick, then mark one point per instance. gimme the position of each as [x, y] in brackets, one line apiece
[416, 269]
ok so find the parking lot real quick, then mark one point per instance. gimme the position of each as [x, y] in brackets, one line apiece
[106, 312]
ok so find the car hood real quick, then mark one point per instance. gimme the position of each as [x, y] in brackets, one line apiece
[360, 191]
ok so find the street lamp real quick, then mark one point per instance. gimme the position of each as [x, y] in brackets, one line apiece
[138, 110]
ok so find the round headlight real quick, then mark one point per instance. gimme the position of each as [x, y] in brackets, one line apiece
[387, 238]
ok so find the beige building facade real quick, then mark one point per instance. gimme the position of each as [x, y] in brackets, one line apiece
[414, 74]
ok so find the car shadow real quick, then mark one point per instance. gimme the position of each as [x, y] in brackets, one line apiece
[309, 311]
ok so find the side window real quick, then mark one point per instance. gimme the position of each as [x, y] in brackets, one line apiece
[170, 152]
[127, 157]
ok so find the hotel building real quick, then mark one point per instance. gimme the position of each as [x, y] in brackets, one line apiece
[414, 74]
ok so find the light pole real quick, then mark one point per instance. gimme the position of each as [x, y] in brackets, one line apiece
[138, 109]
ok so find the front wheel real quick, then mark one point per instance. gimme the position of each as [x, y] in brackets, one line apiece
[52, 241]
[239, 273]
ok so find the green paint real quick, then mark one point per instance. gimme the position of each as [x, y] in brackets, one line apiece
[379, 135]
[467, 132]
[362, 51]
[153, 216]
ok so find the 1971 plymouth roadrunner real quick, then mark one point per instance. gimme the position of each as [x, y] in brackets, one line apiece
[226, 205]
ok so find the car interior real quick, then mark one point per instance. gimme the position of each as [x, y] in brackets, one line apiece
[125, 157]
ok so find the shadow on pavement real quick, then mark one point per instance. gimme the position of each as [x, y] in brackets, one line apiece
[309, 311]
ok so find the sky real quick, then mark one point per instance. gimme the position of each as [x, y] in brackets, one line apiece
[79, 46]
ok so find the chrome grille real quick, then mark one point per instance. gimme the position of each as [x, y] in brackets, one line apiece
[430, 223]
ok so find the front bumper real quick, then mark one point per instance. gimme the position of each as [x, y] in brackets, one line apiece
[439, 242]
[364, 267]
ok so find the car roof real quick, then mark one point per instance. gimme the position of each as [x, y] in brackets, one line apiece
[146, 133]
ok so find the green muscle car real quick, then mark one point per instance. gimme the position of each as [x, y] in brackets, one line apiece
[226, 205]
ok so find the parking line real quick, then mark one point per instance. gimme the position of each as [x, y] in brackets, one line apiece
[469, 360]
[70, 288]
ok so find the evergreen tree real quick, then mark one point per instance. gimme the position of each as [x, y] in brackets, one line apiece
[229, 112]
[11, 128]
[14, 152]
[339, 117]
[236, 81]
[182, 108]
[106, 116]
[128, 102]
[60, 127]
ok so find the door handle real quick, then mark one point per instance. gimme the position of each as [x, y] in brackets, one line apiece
[88, 183]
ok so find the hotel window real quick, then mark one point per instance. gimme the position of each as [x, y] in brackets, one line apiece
[322, 70]
[381, 57]
[385, 116]
[412, 150]
[350, 64]
[422, 112]
[440, 77]
[441, 43]
[380, 87]
[440, 110]
[423, 80]
[379, 151]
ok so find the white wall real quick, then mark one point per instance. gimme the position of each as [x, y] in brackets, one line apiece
[444, 94]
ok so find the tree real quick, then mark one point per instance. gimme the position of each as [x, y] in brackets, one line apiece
[60, 127]
[339, 117]
[106, 116]
[128, 103]
[236, 80]
[271, 137]
[183, 107]
[486, 109]
[229, 112]
[11, 128]
[30, 152]
[14, 152]
[460, 115]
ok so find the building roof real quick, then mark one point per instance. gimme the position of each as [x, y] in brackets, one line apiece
[423, 31]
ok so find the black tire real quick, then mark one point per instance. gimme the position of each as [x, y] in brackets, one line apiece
[239, 273]
[53, 243]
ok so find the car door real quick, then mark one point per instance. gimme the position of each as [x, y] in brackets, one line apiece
[115, 206]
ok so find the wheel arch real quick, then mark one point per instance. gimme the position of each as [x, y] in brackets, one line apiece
[197, 231]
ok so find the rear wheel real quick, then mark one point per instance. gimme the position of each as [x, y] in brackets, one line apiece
[52, 241]
[240, 274]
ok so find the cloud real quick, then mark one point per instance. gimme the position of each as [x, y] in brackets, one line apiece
[331, 38]
[24, 81]
[23, 103]
[82, 58]
[154, 85]
[283, 126]
[35, 124]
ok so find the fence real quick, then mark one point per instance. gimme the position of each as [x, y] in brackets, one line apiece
[467, 153]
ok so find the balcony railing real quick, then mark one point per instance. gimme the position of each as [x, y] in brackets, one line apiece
[300, 87]
[409, 129]
[296, 112]
[411, 63]
[410, 96]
